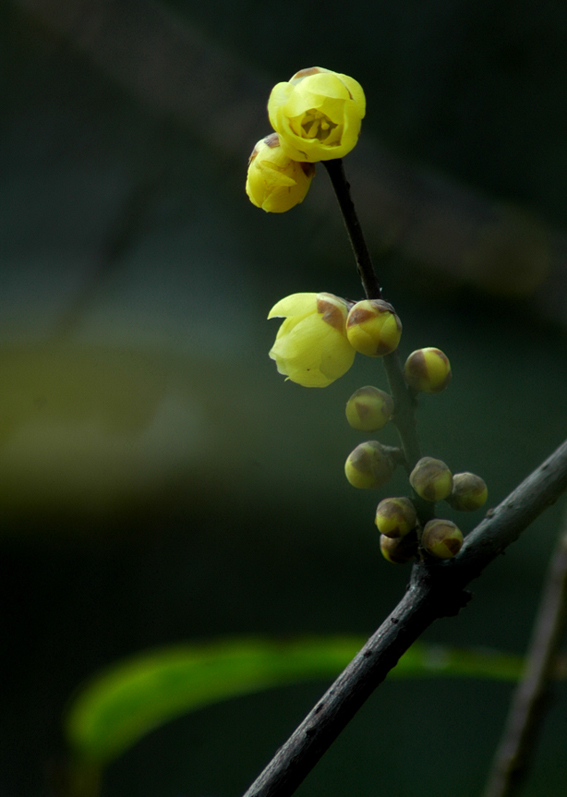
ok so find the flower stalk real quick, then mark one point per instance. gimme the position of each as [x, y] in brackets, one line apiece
[404, 401]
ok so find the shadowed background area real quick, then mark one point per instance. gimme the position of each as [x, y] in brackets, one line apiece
[159, 482]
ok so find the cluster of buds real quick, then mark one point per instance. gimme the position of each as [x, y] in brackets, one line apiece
[402, 535]
[316, 116]
[397, 521]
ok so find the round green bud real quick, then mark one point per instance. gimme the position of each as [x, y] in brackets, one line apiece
[431, 479]
[369, 409]
[469, 492]
[441, 538]
[428, 370]
[395, 517]
[398, 550]
[373, 328]
[369, 465]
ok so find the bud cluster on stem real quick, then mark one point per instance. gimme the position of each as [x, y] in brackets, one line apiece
[316, 116]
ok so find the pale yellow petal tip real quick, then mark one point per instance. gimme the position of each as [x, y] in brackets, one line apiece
[294, 304]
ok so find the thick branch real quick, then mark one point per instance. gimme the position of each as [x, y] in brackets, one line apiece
[434, 591]
[531, 696]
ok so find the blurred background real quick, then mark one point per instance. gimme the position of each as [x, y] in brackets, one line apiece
[159, 481]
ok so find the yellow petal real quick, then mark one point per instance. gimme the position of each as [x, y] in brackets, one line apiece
[356, 92]
[313, 354]
[295, 304]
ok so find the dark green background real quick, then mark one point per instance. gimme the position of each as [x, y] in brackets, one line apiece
[160, 482]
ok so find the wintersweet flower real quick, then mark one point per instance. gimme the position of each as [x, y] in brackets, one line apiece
[276, 183]
[317, 114]
[311, 346]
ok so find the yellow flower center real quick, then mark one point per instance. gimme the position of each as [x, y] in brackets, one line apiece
[316, 125]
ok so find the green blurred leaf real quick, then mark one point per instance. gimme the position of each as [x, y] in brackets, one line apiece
[122, 704]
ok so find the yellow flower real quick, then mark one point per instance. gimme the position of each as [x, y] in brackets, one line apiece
[311, 346]
[317, 114]
[276, 183]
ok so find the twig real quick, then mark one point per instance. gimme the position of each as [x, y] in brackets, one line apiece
[434, 591]
[404, 402]
[531, 696]
[336, 172]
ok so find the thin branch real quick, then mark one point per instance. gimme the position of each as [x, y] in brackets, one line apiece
[404, 401]
[366, 272]
[435, 591]
[532, 694]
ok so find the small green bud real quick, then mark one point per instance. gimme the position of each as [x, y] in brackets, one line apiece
[469, 492]
[428, 370]
[431, 479]
[369, 409]
[441, 538]
[373, 328]
[398, 550]
[395, 517]
[369, 465]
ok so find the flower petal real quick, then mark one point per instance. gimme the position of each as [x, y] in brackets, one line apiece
[296, 304]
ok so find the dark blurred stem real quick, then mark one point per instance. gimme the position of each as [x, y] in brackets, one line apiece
[404, 400]
[531, 697]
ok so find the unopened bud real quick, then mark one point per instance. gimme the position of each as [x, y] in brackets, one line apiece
[395, 517]
[441, 538]
[373, 328]
[469, 492]
[369, 409]
[398, 550]
[369, 465]
[431, 479]
[428, 370]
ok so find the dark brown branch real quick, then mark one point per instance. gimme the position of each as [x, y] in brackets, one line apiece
[434, 591]
[531, 697]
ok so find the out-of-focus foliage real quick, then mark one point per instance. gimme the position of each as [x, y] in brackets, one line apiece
[119, 706]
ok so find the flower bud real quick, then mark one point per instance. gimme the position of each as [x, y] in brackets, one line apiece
[317, 114]
[369, 409]
[469, 492]
[428, 370]
[373, 328]
[274, 182]
[369, 465]
[441, 538]
[311, 347]
[398, 550]
[431, 479]
[395, 517]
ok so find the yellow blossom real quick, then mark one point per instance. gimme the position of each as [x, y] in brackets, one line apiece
[311, 346]
[317, 114]
[274, 182]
